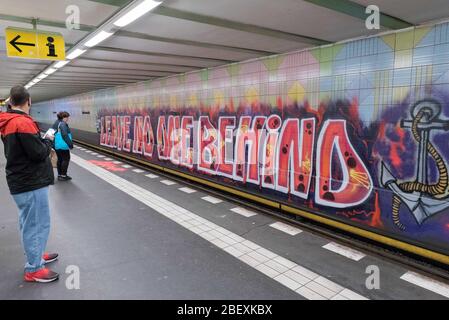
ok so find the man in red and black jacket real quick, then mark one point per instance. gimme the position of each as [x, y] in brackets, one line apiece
[29, 173]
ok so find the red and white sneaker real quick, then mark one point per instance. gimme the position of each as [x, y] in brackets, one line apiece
[42, 275]
[49, 257]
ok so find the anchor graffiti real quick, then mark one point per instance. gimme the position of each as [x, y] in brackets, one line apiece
[421, 198]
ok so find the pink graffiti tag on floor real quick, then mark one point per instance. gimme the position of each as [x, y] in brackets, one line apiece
[108, 165]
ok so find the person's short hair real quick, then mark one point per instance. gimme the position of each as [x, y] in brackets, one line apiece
[18, 96]
[63, 114]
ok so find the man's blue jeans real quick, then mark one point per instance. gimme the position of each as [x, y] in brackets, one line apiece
[34, 224]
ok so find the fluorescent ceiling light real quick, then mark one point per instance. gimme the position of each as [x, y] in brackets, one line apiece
[75, 53]
[42, 76]
[61, 64]
[137, 12]
[49, 71]
[102, 35]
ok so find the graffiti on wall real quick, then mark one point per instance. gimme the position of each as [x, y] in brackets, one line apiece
[266, 151]
[322, 157]
[422, 198]
[356, 131]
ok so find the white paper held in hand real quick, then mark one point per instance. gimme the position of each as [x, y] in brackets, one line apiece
[50, 133]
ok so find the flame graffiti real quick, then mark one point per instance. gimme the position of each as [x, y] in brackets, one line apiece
[397, 147]
[360, 177]
[307, 165]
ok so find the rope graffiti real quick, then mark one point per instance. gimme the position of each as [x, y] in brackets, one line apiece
[422, 198]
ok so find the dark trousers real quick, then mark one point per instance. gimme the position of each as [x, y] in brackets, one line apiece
[63, 161]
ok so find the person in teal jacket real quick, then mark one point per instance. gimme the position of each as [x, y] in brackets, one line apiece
[63, 149]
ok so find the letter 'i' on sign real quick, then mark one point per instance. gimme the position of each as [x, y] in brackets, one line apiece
[32, 44]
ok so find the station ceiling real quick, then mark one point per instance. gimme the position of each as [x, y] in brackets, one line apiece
[186, 35]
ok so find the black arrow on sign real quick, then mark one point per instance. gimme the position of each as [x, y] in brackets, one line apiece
[15, 44]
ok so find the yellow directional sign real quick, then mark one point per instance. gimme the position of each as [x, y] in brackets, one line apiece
[33, 44]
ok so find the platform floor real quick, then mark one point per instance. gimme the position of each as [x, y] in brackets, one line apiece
[135, 235]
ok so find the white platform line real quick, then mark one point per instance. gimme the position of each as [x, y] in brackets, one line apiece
[168, 182]
[108, 159]
[284, 271]
[244, 212]
[127, 166]
[138, 171]
[94, 153]
[187, 190]
[151, 176]
[212, 200]
[286, 228]
[344, 251]
[427, 283]
[100, 156]
[117, 162]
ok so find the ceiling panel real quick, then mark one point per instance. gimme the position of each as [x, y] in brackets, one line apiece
[91, 13]
[112, 77]
[293, 16]
[196, 62]
[84, 62]
[114, 70]
[5, 66]
[413, 11]
[11, 74]
[43, 93]
[178, 49]
[10, 81]
[176, 28]
[50, 83]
